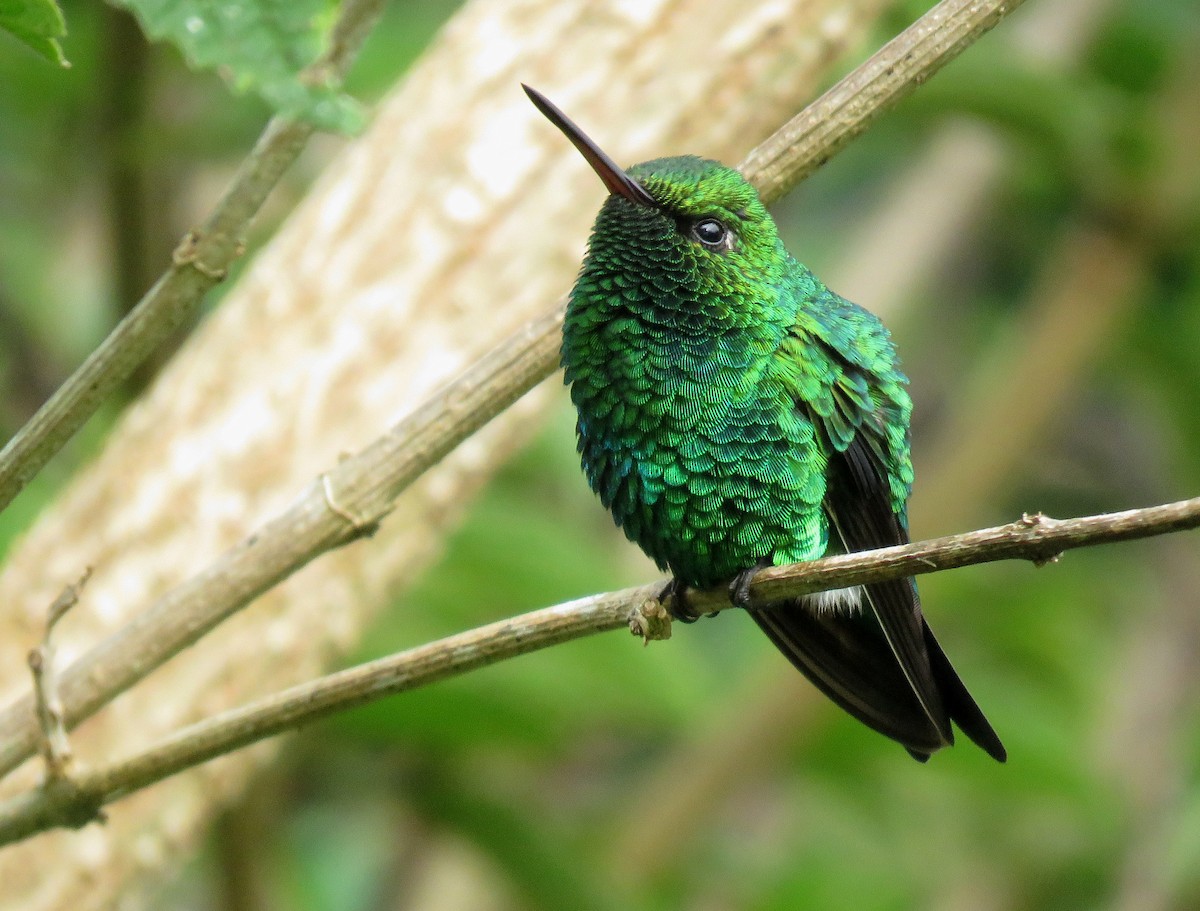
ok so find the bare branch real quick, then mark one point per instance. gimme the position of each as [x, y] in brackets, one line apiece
[1037, 538]
[366, 485]
[891, 74]
[201, 261]
[56, 748]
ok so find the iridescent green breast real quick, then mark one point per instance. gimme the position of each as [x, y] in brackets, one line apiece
[685, 429]
[714, 382]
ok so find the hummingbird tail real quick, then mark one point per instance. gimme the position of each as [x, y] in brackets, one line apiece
[846, 655]
[959, 703]
[879, 662]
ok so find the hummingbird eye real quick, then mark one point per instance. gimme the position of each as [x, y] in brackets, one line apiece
[712, 234]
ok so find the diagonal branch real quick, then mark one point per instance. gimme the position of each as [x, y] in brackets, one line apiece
[362, 488]
[201, 261]
[847, 109]
[1037, 538]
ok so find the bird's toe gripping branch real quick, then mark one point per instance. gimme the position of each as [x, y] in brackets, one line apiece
[651, 620]
[739, 585]
[673, 598]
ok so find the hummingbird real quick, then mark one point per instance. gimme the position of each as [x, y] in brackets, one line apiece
[734, 413]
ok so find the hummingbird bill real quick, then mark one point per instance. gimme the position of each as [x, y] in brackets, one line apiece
[734, 413]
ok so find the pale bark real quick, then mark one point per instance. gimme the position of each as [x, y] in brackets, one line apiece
[458, 215]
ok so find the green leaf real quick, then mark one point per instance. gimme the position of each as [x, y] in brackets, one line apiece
[39, 23]
[256, 46]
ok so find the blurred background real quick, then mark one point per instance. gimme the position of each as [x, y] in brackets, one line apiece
[1028, 224]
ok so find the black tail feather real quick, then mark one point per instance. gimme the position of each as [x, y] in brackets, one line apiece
[846, 655]
[959, 703]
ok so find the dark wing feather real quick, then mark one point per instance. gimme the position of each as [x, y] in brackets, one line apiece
[859, 505]
[882, 664]
[846, 657]
[863, 516]
[959, 703]
[872, 662]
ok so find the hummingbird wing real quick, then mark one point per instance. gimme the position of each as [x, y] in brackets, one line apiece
[871, 660]
[881, 662]
[862, 510]
[861, 515]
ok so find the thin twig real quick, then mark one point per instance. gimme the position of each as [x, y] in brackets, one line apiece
[55, 747]
[366, 485]
[1036, 538]
[890, 75]
[200, 261]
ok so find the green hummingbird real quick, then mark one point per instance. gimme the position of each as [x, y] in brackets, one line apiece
[735, 413]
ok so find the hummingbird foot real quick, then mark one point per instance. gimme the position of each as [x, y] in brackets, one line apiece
[739, 587]
[674, 598]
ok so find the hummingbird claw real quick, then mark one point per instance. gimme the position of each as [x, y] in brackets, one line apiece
[674, 598]
[739, 587]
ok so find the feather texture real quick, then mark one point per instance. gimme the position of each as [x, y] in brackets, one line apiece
[733, 411]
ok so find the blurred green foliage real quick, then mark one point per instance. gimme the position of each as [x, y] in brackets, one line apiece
[38, 23]
[257, 46]
[525, 785]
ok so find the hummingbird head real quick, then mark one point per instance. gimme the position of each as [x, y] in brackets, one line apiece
[690, 233]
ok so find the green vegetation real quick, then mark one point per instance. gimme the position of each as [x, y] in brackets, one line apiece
[1054, 352]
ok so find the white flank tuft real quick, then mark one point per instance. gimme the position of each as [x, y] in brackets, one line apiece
[839, 599]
